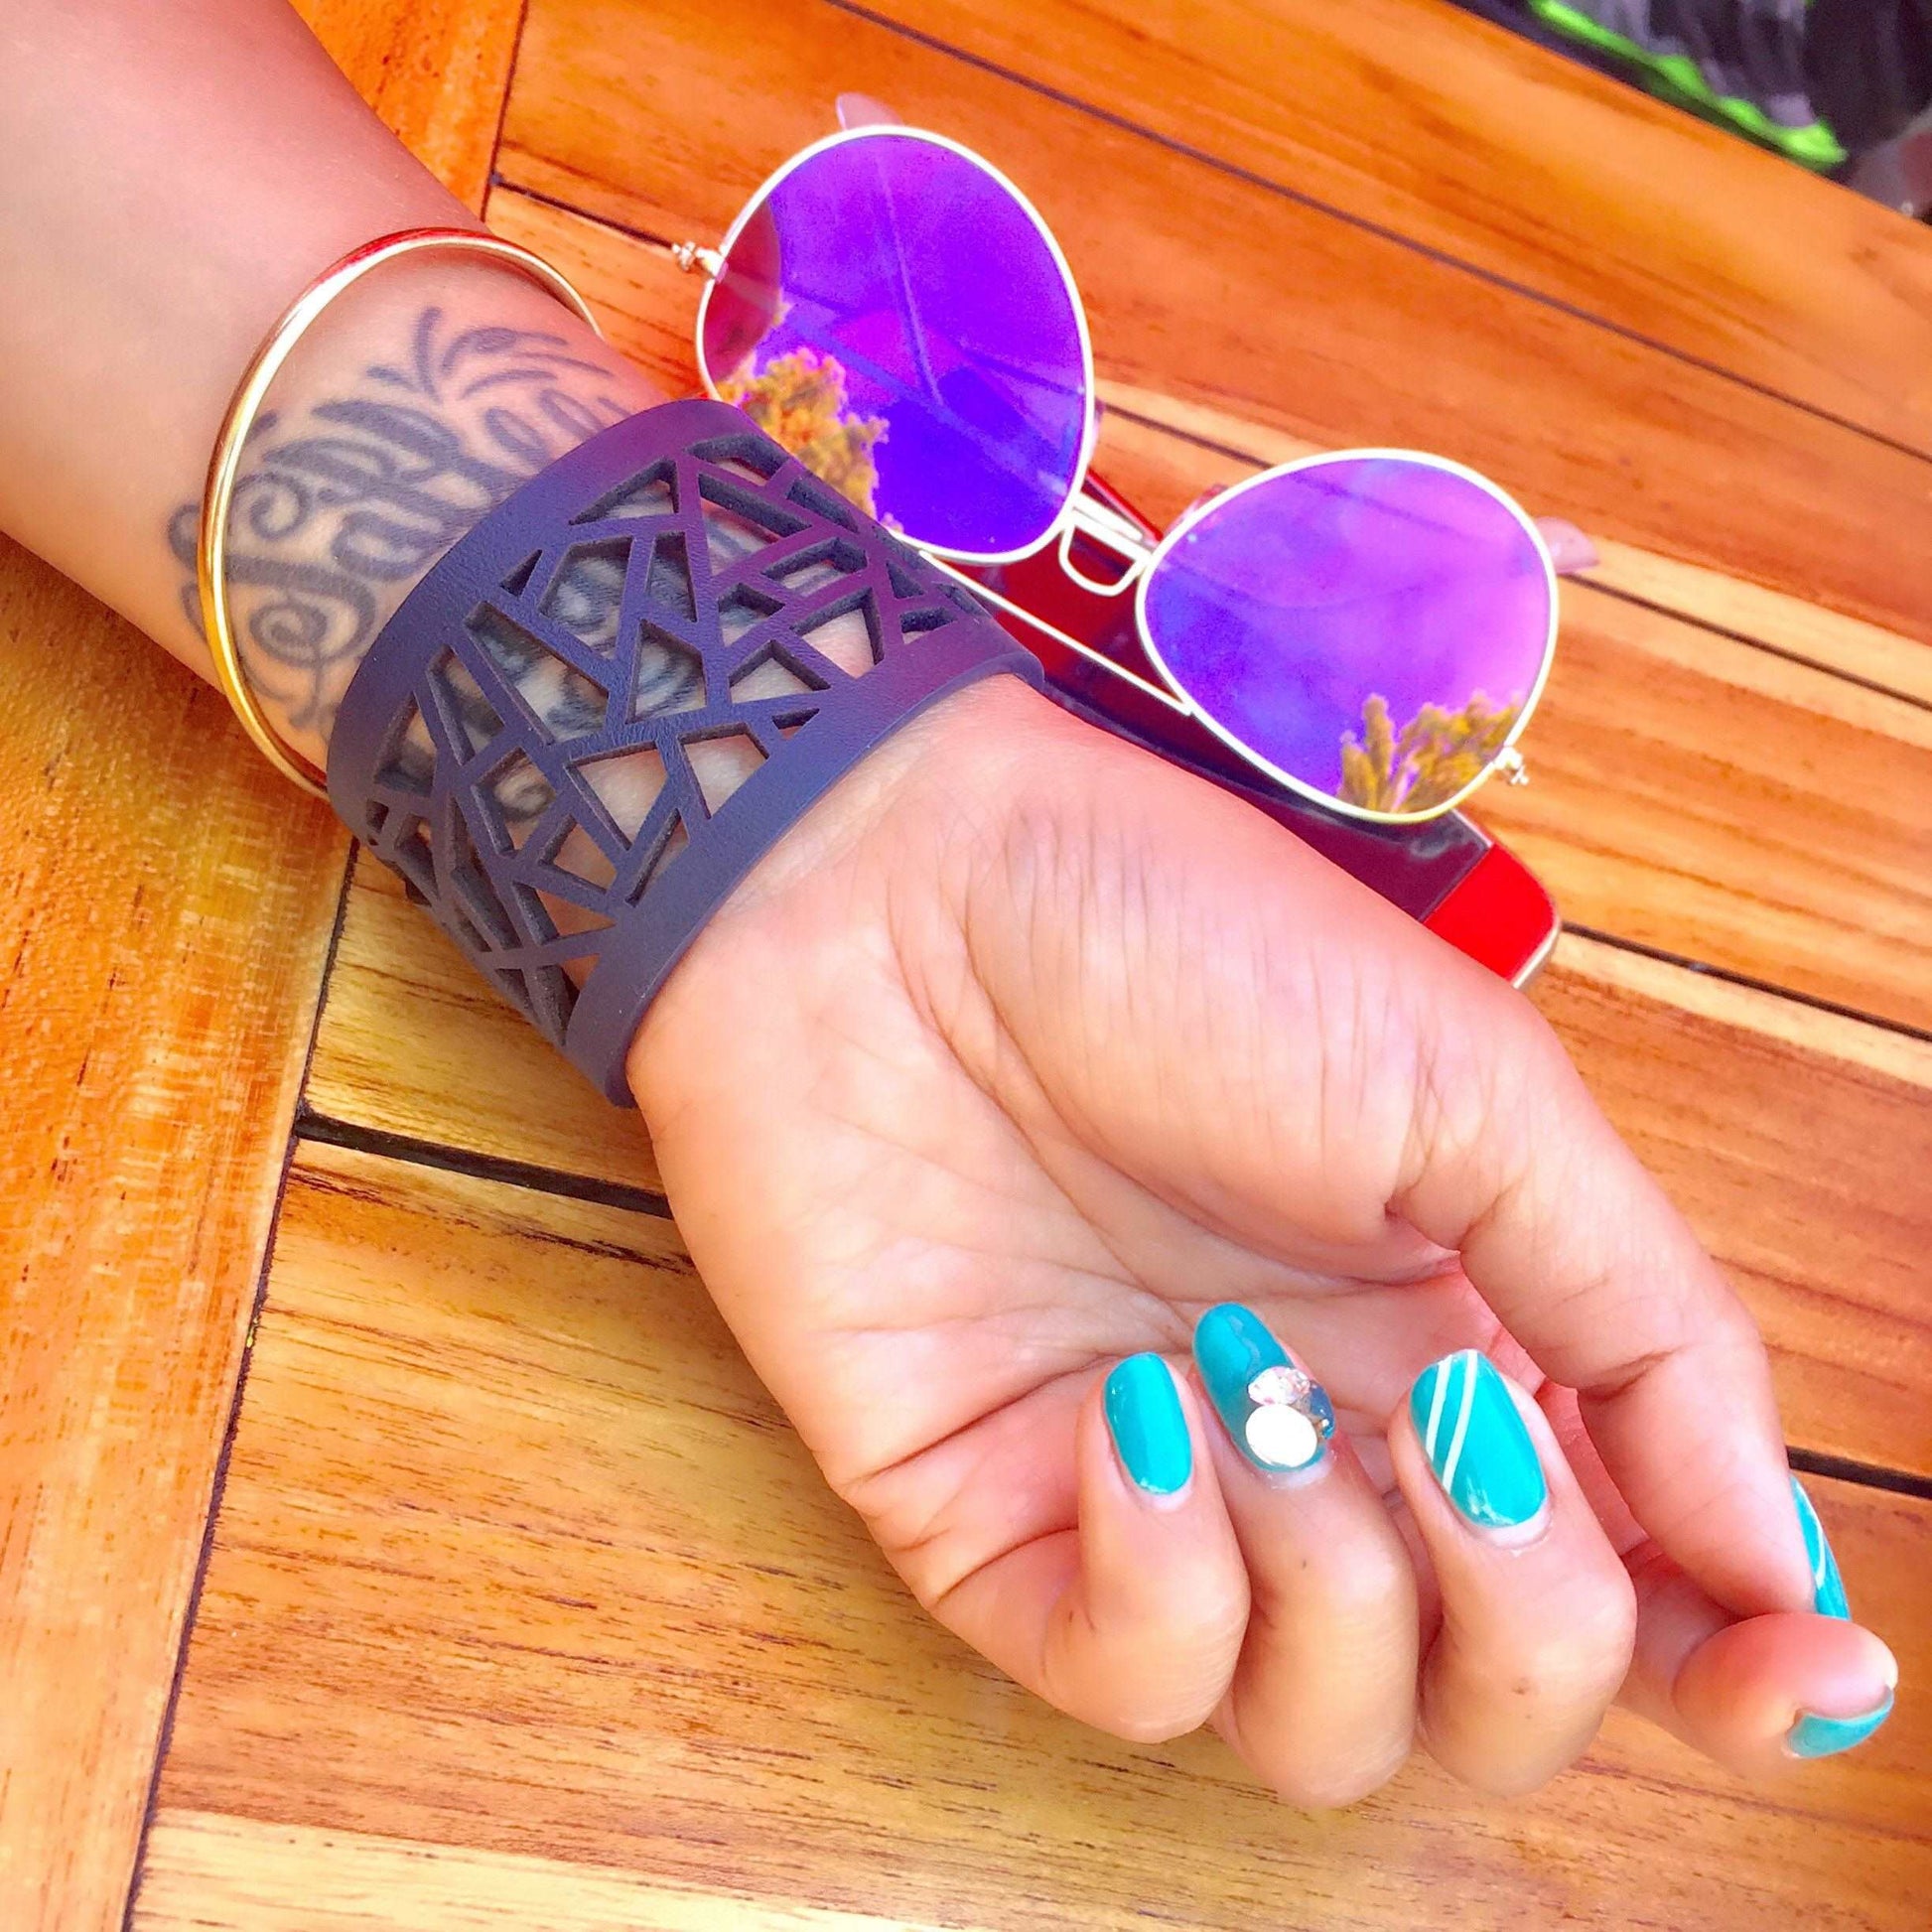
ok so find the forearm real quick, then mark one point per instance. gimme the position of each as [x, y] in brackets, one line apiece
[174, 176]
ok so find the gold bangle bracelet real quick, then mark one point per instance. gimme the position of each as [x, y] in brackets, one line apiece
[224, 465]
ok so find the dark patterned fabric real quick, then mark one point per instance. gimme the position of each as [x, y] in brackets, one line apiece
[539, 739]
[1870, 64]
[1817, 79]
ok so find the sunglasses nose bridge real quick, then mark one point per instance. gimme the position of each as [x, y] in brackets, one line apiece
[1112, 535]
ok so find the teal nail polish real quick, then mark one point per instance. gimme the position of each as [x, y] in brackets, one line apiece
[1827, 1585]
[1149, 1428]
[1475, 1440]
[1811, 1735]
[1824, 1736]
[1278, 1416]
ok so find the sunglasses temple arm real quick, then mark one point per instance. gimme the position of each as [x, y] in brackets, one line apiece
[1098, 658]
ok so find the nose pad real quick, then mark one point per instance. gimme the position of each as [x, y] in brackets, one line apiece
[1081, 550]
[1569, 549]
[861, 110]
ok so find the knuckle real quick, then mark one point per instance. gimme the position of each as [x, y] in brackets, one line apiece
[1211, 1622]
[1734, 1328]
[1366, 1585]
[1584, 1653]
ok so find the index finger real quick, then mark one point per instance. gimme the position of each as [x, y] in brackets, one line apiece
[1584, 1258]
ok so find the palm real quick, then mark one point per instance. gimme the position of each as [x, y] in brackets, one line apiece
[994, 1153]
[1022, 1052]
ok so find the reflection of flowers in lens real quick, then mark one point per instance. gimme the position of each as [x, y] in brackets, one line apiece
[1436, 755]
[798, 401]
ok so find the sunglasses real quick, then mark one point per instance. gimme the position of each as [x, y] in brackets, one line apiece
[1368, 629]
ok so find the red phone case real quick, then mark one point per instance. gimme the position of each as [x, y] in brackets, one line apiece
[1446, 871]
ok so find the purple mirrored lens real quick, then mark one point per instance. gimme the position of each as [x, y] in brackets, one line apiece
[895, 316]
[1372, 626]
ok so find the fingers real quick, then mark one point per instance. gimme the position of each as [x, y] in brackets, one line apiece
[1593, 1271]
[1767, 1693]
[1323, 1704]
[1538, 1614]
[1142, 1639]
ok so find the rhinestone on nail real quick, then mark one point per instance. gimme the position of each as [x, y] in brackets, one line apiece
[1291, 1419]
[1282, 1383]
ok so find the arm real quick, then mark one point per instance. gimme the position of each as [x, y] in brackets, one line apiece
[1012, 1058]
[146, 247]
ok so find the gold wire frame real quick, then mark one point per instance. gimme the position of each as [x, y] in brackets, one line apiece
[225, 461]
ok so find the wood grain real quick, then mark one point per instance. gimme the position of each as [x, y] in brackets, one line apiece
[524, 1604]
[1796, 1139]
[414, 1040]
[1692, 791]
[1461, 137]
[1210, 286]
[1797, 1143]
[1781, 622]
[164, 913]
[1723, 803]
[435, 71]
[639, 1636]
[649, 317]
[207, 1872]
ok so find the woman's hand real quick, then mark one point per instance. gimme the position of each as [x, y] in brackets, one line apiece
[1025, 1050]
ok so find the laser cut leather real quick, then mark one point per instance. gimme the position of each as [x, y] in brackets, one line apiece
[500, 744]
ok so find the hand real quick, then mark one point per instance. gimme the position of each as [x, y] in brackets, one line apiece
[1026, 1049]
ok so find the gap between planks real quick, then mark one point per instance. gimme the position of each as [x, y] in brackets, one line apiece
[1464, 112]
[1766, 1015]
[1851, 648]
[1203, 282]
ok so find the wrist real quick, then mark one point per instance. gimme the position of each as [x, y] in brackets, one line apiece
[960, 764]
[426, 394]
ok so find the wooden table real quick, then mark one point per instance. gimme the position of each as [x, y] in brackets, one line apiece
[394, 1538]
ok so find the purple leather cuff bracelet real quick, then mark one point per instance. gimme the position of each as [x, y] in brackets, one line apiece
[543, 738]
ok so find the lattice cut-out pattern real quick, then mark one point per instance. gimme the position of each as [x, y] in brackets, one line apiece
[619, 676]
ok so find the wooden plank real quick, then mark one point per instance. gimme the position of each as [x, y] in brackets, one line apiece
[1780, 621]
[1692, 792]
[203, 1873]
[165, 911]
[1795, 1140]
[435, 70]
[649, 318]
[1464, 138]
[1798, 1143]
[1671, 803]
[414, 1040]
[1215, 288]
[164, 914]
[638, 1634]
[1808, 870]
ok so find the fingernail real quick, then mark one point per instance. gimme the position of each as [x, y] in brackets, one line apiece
[1278, 1415]
[1827, 1585]
[1813, 1736]
[1476, 1442]
[1148, 1424]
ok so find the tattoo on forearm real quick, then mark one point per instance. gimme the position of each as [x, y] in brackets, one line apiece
[339, 513]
